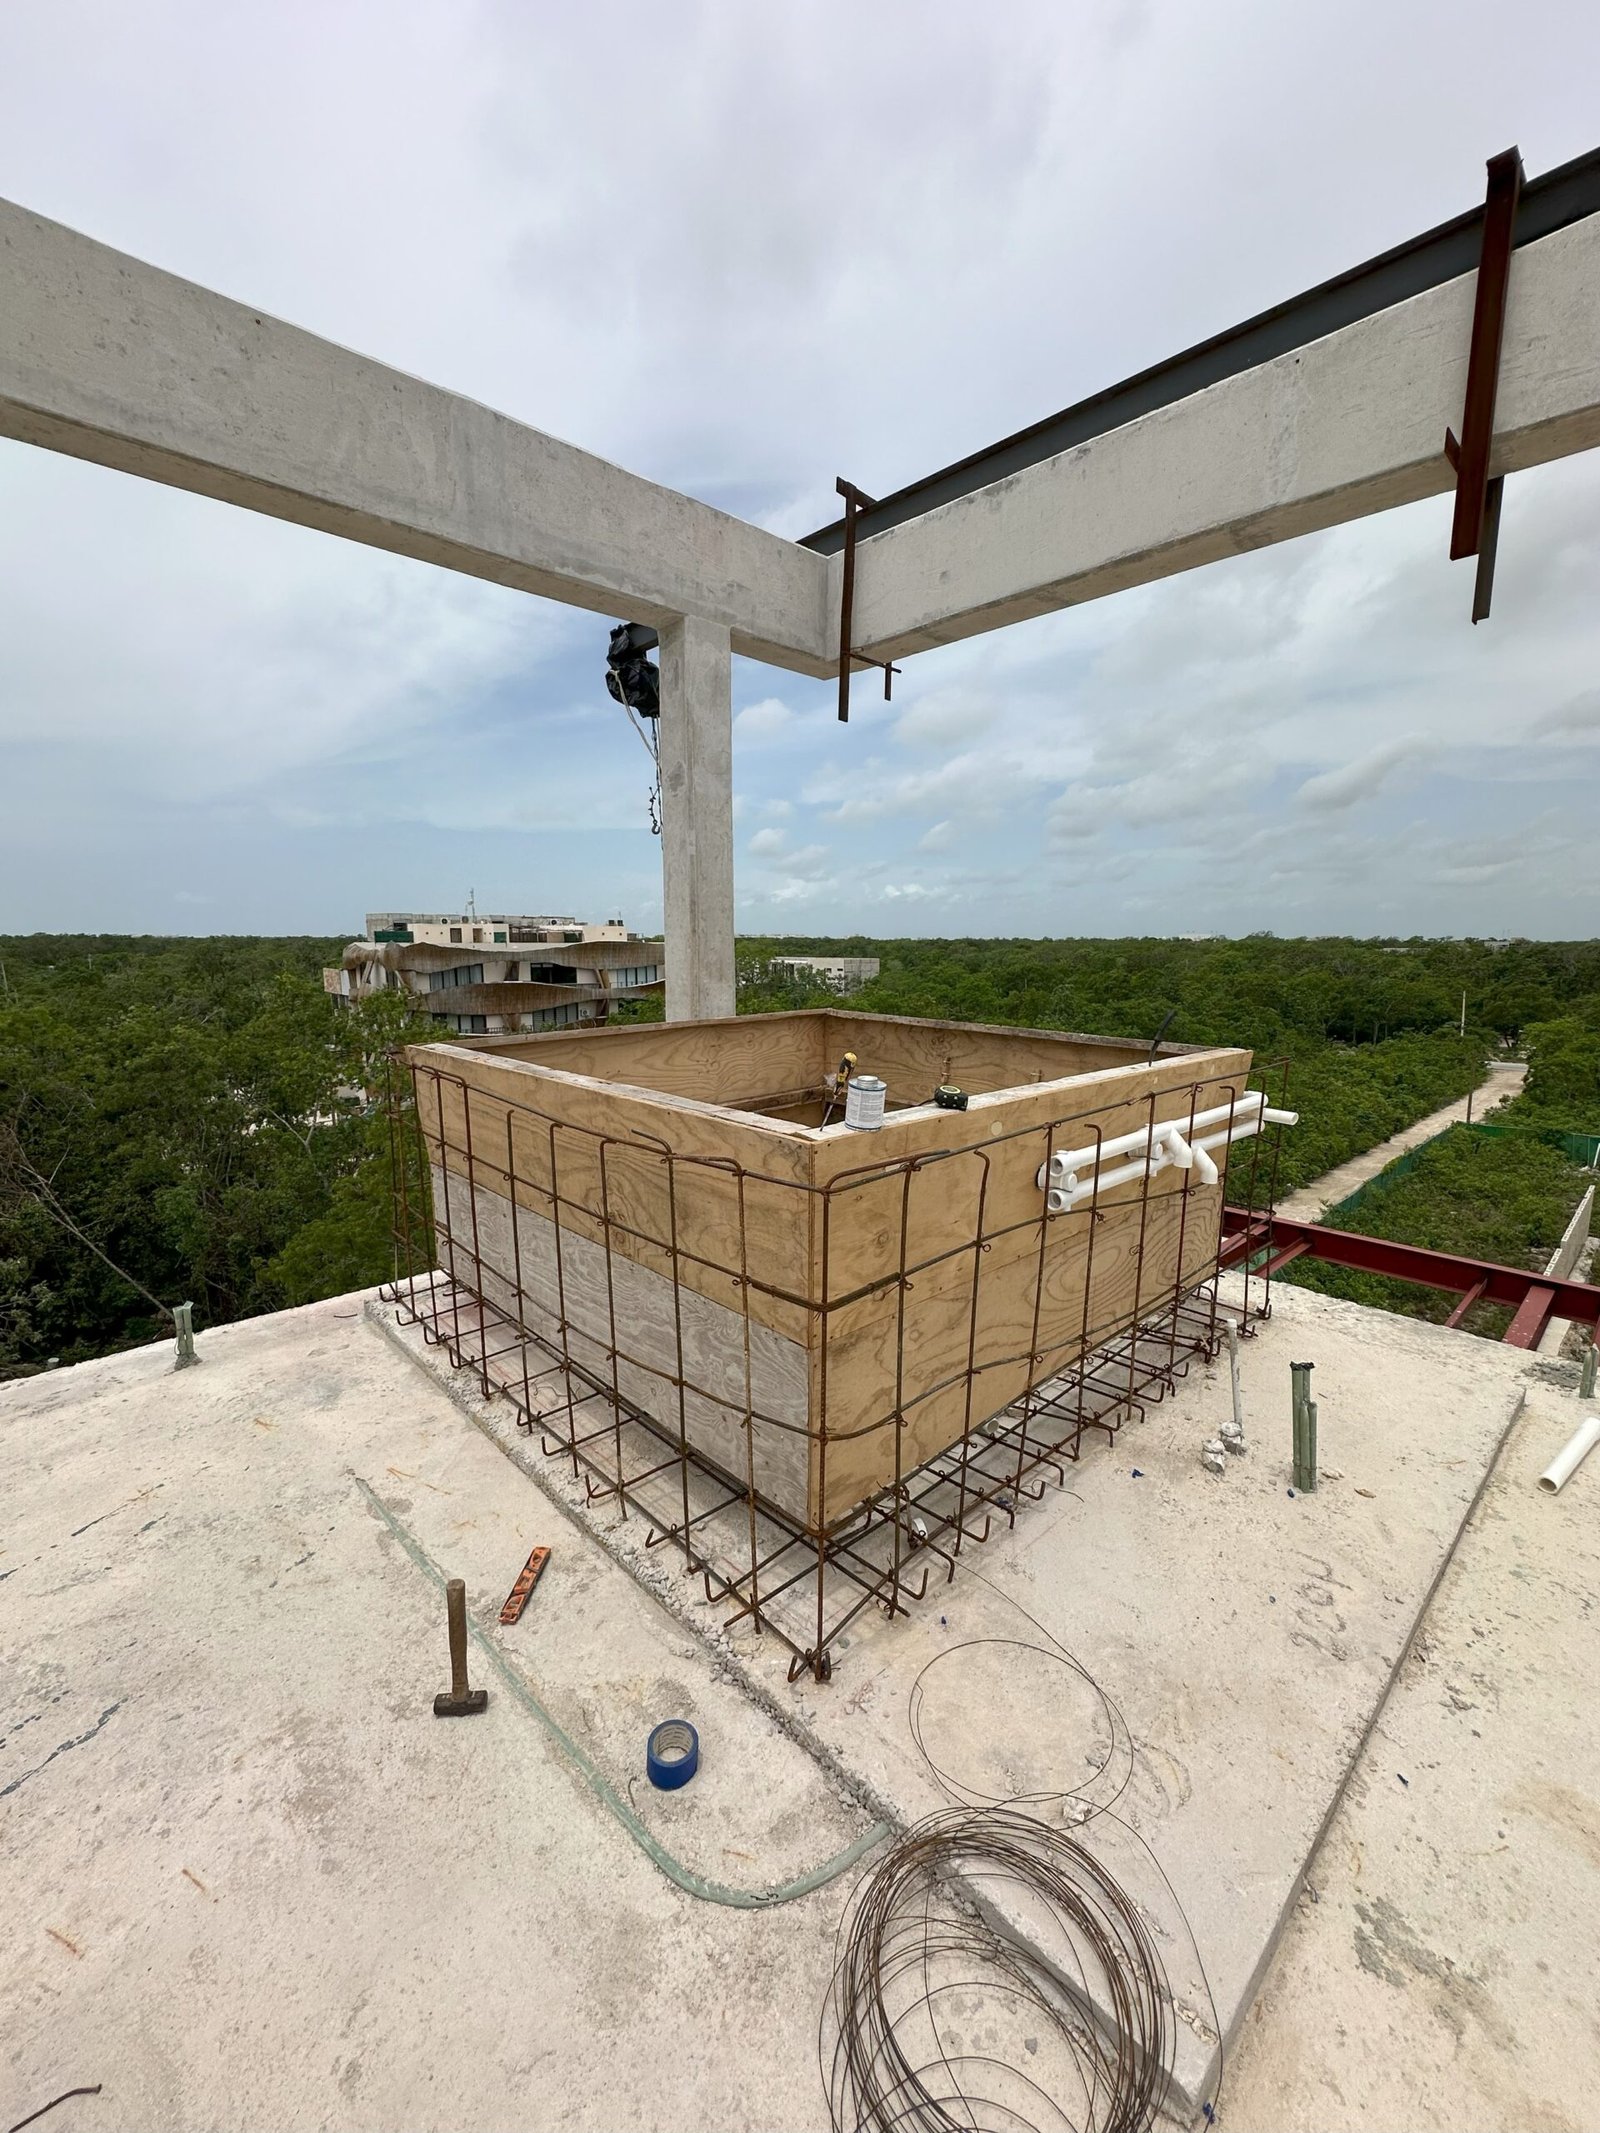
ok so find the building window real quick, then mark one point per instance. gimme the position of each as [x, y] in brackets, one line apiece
[477, 933]
[500, 937]
[458, 974]
[563, 1017]
[455, 933]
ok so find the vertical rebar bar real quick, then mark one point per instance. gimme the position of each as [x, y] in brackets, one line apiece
[1305, 1428]
[183, 1326]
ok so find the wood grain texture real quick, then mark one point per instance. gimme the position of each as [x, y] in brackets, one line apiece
[718, 1062]
[545, 1279]
[914, 1056]
[640, 1170]
[898, 1272]
[905, 1353]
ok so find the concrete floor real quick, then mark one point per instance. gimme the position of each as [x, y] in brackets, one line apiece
[1248, 1635]
[1444, 1973]
[248, 1879]
[1312, 1201]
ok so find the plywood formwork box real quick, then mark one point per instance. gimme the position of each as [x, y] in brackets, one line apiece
[813, 1310]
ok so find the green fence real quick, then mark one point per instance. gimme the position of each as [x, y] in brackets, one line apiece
[1580, 1148]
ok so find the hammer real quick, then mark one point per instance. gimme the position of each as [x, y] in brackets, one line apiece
[458, 1701]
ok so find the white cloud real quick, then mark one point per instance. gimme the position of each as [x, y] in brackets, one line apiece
[808, 863]
[1344, 786]
[766, 844]
[1578, 718]
[947, 717]
[762, 721]
[169, 666]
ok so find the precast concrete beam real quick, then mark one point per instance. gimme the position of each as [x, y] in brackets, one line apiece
[697, 818]
[108, 359]
[1340, 428]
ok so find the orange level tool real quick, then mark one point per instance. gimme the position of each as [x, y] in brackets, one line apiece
[528, 1577]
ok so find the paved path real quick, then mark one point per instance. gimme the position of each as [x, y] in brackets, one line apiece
[1312, 1201]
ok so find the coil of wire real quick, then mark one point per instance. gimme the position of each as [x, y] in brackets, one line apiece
[934, 1979]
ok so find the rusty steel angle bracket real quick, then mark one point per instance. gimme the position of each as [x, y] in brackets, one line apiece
[855, 501]
[1475, 529]
[527, 1577]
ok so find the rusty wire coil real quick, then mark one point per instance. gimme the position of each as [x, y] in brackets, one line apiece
[943, 1949]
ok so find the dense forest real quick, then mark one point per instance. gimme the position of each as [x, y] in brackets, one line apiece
[182, 1119]
[1369, 1032]
[175, 1125]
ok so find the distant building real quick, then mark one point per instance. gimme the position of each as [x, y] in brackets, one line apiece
[843, 972]
[477, 973]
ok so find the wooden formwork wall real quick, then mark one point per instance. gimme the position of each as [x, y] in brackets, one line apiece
[861, 1298]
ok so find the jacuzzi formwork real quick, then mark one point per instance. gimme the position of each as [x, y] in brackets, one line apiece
[819, 1360]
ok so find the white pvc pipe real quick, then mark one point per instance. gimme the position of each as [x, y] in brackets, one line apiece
[1063, 1198]
[1567, 1461]
[1178, 1149]
[1068, 1161]
[1073, 1175]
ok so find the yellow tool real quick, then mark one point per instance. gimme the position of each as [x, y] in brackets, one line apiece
[841, 1084]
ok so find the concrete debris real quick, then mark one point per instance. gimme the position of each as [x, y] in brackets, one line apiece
[1231, 1436]
[1214, 1458]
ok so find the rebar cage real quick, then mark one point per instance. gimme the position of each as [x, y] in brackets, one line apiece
[688, 1442]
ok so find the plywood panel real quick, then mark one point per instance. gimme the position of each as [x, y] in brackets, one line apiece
[914, 1056]
[1006, 1139]
[634, 1171]
[725, 1062]
[888, 1352]
[543, 1279]
[898, 1271]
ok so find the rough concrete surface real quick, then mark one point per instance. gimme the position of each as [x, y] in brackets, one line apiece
[1444, 1975]
[1247, 1635]
[247, 1878]
[1312, 1201]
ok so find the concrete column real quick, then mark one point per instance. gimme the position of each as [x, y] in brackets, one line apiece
[697, 817]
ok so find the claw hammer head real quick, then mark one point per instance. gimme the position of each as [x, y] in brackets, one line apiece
[458, 1701]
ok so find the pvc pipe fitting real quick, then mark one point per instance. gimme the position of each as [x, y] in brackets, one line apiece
[1571, 1456]
[1072, 1175]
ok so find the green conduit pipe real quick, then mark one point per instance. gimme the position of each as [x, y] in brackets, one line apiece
[685, 1878]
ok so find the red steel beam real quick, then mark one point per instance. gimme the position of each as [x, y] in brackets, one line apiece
[1483, 360]
[1534, 1313]
[1537, 1295]
[1473, 1295]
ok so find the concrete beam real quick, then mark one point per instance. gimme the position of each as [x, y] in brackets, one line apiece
[1343, 427]
[697, 818]
[108, 359]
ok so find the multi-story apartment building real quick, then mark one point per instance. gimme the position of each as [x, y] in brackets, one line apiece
[477, 972]
[843, 972]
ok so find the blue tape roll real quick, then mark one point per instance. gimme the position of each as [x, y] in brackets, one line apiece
[671, 1754]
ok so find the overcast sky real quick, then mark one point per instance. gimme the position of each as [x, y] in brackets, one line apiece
[742, 248]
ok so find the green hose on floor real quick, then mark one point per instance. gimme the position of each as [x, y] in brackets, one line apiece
[685, 1878]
